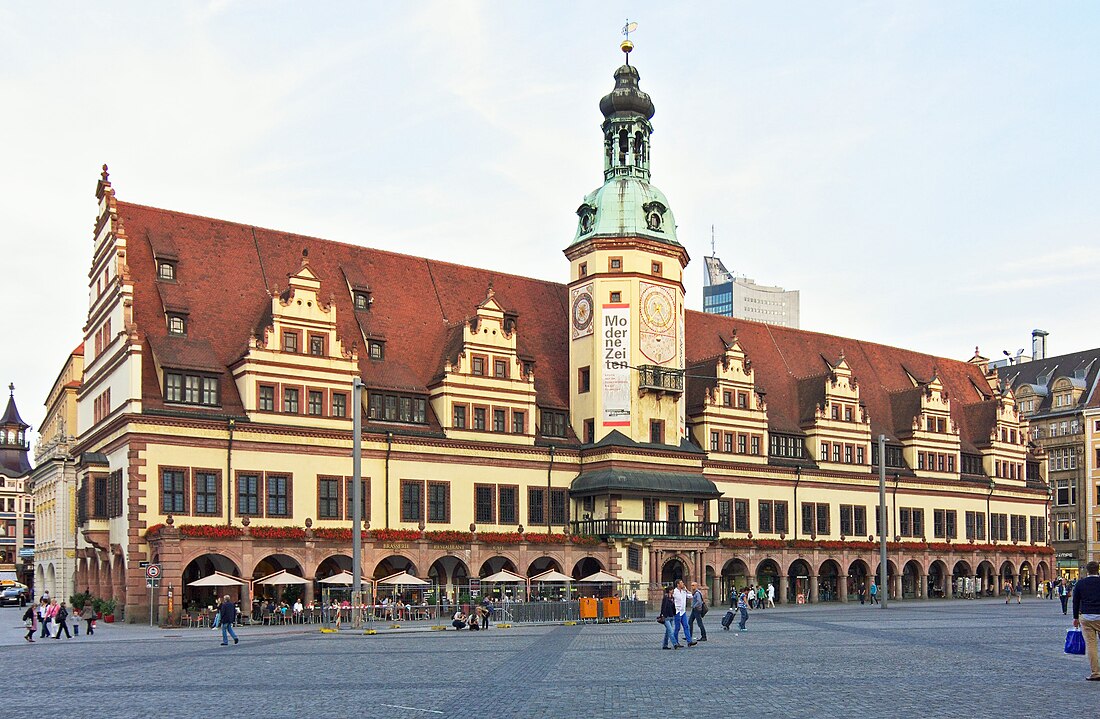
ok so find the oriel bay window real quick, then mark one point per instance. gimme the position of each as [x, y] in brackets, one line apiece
[173, 492]
[267, 398]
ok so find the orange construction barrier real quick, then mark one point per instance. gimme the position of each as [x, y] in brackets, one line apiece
[588, 608]
[611, 608]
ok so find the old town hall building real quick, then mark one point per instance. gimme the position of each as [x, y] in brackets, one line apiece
[513, 423]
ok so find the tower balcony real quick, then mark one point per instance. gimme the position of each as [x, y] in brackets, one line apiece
[646, 528]
[660, 379]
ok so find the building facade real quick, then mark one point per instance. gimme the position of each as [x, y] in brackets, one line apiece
[52, 484]
[1058, 396]
[724, 294]
[16, 506]
[518, 424]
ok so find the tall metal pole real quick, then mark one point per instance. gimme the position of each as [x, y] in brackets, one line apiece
[356, 485]
[883, 574]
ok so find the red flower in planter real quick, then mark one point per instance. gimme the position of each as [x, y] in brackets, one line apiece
[395, 535]
[153, 531]
[500, 537]
[338, 533]
[209, 531]
[289, 533]
[449, 536]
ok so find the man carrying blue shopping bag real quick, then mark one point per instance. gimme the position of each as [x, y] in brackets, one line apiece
[1086, 615]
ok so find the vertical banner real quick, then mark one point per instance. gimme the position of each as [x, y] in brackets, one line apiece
[615, 335]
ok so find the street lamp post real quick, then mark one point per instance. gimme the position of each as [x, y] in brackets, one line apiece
[356, 495]
[883, 573]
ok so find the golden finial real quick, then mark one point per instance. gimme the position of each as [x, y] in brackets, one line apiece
[626, 45]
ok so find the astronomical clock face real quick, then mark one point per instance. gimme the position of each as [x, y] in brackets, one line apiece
[657, 310]
[582, 314]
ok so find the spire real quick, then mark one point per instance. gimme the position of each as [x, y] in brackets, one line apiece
[11, 416]
[627, 112]
[13, 441]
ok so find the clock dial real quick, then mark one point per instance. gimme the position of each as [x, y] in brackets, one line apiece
[657, 310]
[582, 312]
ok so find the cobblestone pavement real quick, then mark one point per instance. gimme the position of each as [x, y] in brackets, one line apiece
[973, 659]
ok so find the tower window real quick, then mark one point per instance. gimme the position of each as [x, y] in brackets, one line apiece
[656, 268]
[582, 269]
[584, 380]
[616, 297]
[615, 264]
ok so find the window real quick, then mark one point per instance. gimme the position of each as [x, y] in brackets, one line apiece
[860, 456]
[727, 443]
[584, 380]
[848, 453]
[836, 453]
[782, 445]
[742, 400]
[248, 495]
[649, 509]
[725, 517]
[824, 451]
[582, 269]
[559, 504]
[1038, 529]
[715, 440]
[975, 526]
[1018, 528]
[479, 418]
[781, 517]
[349, 504]
[317, 345]
[536, 507]
[459, 416]
[553, 423]
[615, 264]
[166, 271]
[206, 492]
[500, 418]
[190, 389]
[655, 268]
[741, 515]
[339, 404]
[328, 497]
[589, 431]
[484, 504]
[764, 521]
[267, 398]
[316, 402]
[742, 443]
[412, 500]
[477, 366]
[508, 505]
[847, 413]
[755, 444]
[290, 341]
[362, 300]
[998, 527]
[439, 502]
[519, 422]
[807, 518]
[278, 495]
[397, 408]
[616, 297]
[853, 520]
[727, 399]
[835, 410]
[911, 522]
[173, 492]
[177, 324]
[376, 349]
[634, 558]
[500, 368]
[656, 431]
[290, 400]
[191, 384]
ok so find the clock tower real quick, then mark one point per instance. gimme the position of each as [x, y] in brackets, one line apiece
[626, 293]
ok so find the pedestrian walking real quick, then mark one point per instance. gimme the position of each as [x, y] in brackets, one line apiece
[1063, 596]
[44, 617]
[29, 618]
[60, 619]
[1019, 592]
[1086, 615]
[743, 607]
[227, 613]
[680, 598]
[668, 614]
[771, 595]
[698, 611]
[733, 597]
[1006, 589]
[88, 615]
[873, 592]
[862, 592]
[761, 597]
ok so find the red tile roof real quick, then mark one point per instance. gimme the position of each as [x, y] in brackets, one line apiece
[227, 273]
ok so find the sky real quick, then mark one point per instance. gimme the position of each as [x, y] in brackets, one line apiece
[926, 174]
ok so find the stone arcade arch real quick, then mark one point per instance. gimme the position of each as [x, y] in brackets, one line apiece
[197, 598]
[986, 585]
[798, 580]
[586, 566]
[828, 582]
[911, 574]
[735, 574]
[890, 590]
[673, 570]
[492, 565]
[767, 572]
[938, 585]
[450, 577]
[960, 573]
[392, 565]
[858, 576]
[269, 565]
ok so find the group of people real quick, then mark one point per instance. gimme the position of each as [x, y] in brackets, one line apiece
[51, 617]
[683, 610]
[867, 592]
[477, 619]
[757, 596]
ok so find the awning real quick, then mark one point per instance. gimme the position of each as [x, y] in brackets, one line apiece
[217, 579]
[552, 577]
[505, 577]
[282, 577]
[646, 482]
[403, 579]
[600, 578]
[344, 578]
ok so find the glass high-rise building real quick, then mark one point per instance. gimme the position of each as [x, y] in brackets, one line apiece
[724, 294]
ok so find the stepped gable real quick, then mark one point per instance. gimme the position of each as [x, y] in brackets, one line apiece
[783, 357]
[228, 289]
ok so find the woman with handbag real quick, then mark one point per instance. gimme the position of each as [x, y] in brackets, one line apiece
[667, 617]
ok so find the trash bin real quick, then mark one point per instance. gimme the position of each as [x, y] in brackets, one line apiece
[611, 608]
[589, 609]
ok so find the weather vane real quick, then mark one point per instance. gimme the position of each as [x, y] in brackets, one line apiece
[627, 46]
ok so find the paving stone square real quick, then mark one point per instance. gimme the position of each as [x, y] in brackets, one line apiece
[955, 658]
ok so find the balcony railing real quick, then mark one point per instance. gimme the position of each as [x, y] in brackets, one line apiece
[660, 379]
[646, 528]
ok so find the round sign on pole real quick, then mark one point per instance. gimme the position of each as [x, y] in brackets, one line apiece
[152, 571]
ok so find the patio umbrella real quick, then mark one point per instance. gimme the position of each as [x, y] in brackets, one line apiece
[600, 577]
[341, 578]
[504, 577]
[217, 579]
[282, 577]
[552, 576]
[403, 579]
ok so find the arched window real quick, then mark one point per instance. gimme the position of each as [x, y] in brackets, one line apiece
[639, 148]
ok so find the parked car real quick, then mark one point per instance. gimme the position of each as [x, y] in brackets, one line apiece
[15, 595]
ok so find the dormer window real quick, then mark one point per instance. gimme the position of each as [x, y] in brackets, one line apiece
[362, 300]
[376, 349]
[290, 342]
[166, 270]
[317, 345]
[177, 324]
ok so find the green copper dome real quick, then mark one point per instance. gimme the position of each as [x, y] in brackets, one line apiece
[627, 205]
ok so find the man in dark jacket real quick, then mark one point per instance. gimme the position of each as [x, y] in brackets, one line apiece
[227, 614]
[1086, 614]
[668, 611]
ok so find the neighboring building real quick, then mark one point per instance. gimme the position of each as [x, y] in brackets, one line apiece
[724, 294]
[53, 484]
[1038, 352]
[16, 509]
[1059, 398]
[513, 423]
